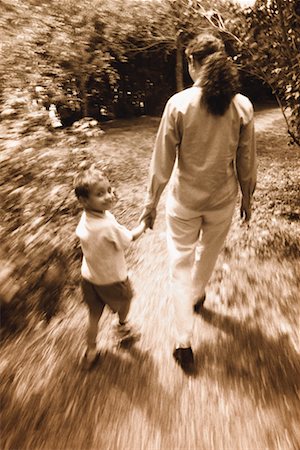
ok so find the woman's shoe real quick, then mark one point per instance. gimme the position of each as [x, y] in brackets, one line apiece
[199, 304]
[185, 358]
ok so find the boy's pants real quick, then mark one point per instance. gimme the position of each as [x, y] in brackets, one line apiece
[194, 243]
[116, 295]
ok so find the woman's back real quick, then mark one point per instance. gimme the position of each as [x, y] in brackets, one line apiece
[204, 176]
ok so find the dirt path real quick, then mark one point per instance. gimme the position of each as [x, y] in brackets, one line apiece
[246, 393]
[264, 120]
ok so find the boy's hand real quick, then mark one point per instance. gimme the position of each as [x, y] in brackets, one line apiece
[139, 230]
[148, 216]
[143, 225]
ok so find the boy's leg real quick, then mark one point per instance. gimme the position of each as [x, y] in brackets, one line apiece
[182, 238]
[92, 330]
[124, 303]
[95, 306]
[215, 228]
[118, 297]
[125, 332]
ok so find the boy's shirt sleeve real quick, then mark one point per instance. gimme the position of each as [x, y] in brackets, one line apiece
[119, 234]
[80, 225]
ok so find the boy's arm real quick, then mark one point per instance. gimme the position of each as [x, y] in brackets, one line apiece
[139, 230]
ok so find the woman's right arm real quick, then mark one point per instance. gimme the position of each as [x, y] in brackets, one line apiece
[162, 161]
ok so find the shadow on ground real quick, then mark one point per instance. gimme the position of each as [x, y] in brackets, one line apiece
[267, 368]
[89, 402]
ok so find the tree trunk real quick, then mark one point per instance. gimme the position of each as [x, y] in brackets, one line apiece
[179, 64]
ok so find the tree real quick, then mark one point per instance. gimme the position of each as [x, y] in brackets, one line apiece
[167, 25]
[267, 42]
[63, 46]
[80, 49]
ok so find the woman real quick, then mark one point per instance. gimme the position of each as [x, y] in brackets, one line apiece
[205, 146]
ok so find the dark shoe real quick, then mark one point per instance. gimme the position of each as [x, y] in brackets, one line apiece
[185, 358]
[199, 304]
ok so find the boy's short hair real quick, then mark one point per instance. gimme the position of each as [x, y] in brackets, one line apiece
[86, 179]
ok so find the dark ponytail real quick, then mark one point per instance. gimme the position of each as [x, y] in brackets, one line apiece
[219, 76]
[219, 82]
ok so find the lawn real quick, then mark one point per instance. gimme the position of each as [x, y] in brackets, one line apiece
[246, 395]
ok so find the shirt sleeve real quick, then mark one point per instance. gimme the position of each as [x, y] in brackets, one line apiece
[246, 161]
[163, 156]
[120, 235]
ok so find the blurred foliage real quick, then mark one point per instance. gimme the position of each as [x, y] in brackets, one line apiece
[59, 47]
[267, 41]
[124, 56]
[35, 239]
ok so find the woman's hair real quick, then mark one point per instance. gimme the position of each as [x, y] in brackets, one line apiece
[86, 179]
[219, 76]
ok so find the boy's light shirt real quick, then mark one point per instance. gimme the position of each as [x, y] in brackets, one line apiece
[204, 155]
[103, 241]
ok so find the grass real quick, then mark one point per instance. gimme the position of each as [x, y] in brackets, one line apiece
[247, 392]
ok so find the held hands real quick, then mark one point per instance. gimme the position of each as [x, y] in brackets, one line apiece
[146, 220]
[139, 230]
[148, 216]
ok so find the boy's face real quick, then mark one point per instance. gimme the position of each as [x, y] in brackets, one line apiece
[101, 197]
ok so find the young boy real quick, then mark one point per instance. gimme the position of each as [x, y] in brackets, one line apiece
[104, 272]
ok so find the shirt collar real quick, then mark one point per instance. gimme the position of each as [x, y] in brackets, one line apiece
[95, 214]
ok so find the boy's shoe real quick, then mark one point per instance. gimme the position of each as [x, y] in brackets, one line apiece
[199, 304]
[185, 358]
[90, 358]
[126, 334]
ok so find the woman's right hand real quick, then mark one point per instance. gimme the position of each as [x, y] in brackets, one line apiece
[148, 216]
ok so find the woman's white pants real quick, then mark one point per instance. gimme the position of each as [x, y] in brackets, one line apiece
[194, 243]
